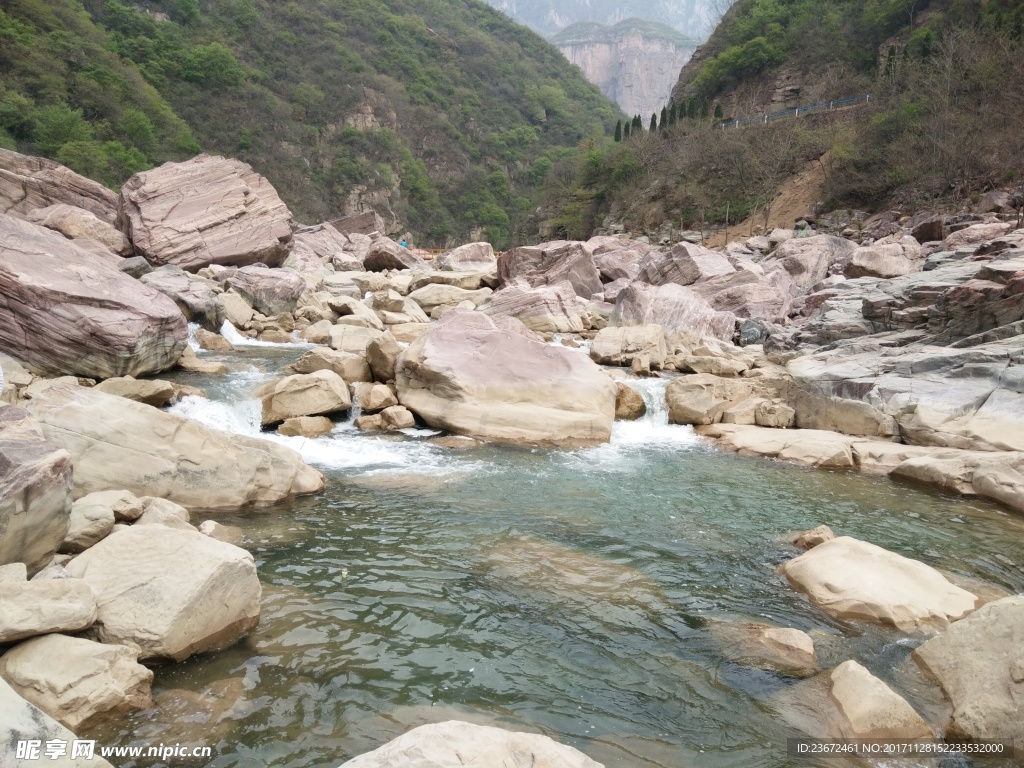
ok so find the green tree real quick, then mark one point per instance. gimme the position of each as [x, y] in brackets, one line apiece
[654, 123]
[719, 112]
[58, 125]
[638, 124]
[618, 131]
[212, 65]
[137, 128]
[664, 118]
[625, 130]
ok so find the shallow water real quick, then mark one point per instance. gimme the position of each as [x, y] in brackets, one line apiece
[565, 592]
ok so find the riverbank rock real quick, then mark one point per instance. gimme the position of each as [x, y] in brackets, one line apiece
[808, 260]
[629, 405]
[270, 291]
[374, 397]
[149, 391]
[195, 296]
[454, 743]
[77, 681]
[21, 720]
[309, 394]
[382, 356]
[192, 363]
[385, 254]
[77, 223]
[979, 662]
[991, 475]
[434, 295]
[703, 398]
[35, 491]
[674, 308]
[471, 257]
[64, 311]
[29, 183]
[172, 593]
[306, 426]
[855, 580]
[815, 448]
[550, 263]
[207, 210]
[684, 264]
[92, 520]
[890, 257]
[621, 346]
[545, 309]
[116, 443]
[482, 377]
[764, 646]
[33, 608]
[351, 367]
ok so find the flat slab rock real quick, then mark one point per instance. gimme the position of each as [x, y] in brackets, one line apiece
[855, 580]
[207, 210]
[454, 744]
[28, 183]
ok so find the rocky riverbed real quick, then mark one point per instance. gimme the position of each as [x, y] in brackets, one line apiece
[308, 490]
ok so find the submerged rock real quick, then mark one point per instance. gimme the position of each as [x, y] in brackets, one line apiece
[851, 579]
[754, 644]
[453, 744]
[483, 377]
[65, 311]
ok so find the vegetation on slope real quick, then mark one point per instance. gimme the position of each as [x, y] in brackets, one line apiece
[443, 112]
[946, 119]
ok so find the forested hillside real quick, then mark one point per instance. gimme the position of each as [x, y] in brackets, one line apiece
[944, 124]
[441, 114]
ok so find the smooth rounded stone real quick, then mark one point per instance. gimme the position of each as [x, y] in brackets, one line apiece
[40, 607]
[207, 210]
[229, 534]
[397, 417]
[149, 391]
[35, 491]
[385, 254]
[116, 443]
[436, 294]
[979, 663]
[76, 681]
[991, 475]
[813, 537]
[270, 291]
[471, 257]
[484, 377]
[974, 234]
[237, 310]
[125, 506]
[629, 405]
[213, 342]
[351, 367]
[303, 394]
[190, 362]
[890, 257]
[452, 744]
[173, 593]
[374, 423]
[29, 183]
[373, 398]
[352, 339]
[68, 312]
[164, 512]
[815, 448]
[545, 309]
[620, 346]
[275, 336]
[855, 580]
[306, 426]
[764, 646]
[91, 521]
[21, 720]
[455, 442]
[75, 223]
[197, 298]
[382, 355]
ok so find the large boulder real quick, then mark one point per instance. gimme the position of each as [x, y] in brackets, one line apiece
[382, 355]
[197, 298]
[621, 346]
[704, 398]
[172, 593]
[674, 308]
[351, 367]
[30, 183]
[472, 257]
[304, 394]
[270, 291]
[998, 476]
[77, 224]
[809, 259]
[436, 295]
[153, 392]
[546, 309]
[454, 743]
[65, 311]
[385, 254]
[891, 257]
[684, 264]
[750, 292]
[35, 491]
[32, 608]
[23, 721]
[979, 662]
[550, 263]
[974, 234]
[483, 377]
[852, 579]
[92, 520]
[76, 681]
[207, 210]
[117, 443]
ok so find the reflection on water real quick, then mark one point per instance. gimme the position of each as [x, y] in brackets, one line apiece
[565, 592]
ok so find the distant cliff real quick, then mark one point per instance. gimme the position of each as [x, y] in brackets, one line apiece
[696, 18]
[634, 62]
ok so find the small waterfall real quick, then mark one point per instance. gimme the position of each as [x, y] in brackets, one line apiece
[653, 392]
[653, 428]
[239, 416]
[193, 328]
[232, 334]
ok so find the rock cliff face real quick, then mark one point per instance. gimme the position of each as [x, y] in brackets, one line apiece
[635, 62]
[549, 17]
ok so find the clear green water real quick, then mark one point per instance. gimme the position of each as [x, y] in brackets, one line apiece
[565, 592]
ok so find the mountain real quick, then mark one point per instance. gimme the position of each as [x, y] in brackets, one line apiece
[635, 62]
[694, 18]
[944, 124]
[442, 115]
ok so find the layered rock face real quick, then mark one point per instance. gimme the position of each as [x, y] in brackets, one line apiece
[29, 183]
[484, 377]
[64, 311]
[117, 443]
[208, 210]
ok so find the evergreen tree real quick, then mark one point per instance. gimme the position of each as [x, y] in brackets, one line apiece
[671, 113]
[704, 109]
[638, 124]
[719, 112]
[691, 108]
[618, 131]
[654, 123]
[625, 130]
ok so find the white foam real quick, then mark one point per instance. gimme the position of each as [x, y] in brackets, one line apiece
[240, 417]
[193, 328]
[229, 332]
